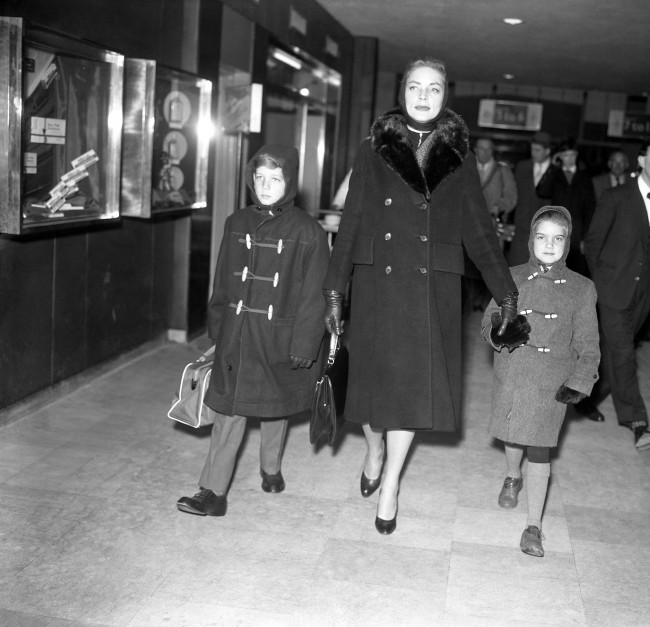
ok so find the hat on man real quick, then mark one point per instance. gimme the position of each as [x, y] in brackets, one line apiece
[542, 138]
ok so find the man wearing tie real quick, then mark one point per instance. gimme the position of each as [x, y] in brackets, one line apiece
[534, 179]
[617, 175]
[617, 248]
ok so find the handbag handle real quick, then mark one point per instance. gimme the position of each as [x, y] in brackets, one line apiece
[207, 353]
[335, 344]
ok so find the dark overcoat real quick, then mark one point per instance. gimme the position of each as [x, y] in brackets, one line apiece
[275, 310]
[405, 222]
[562, 350]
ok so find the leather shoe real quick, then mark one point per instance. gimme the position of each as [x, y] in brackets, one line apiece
[588, 409]
[272, 483]
[204, 503]
[509, 495]
[531, 541]
[642, 438]
[369, 486]
[386, 527]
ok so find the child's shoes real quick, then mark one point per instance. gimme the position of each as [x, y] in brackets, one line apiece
[509, 495]
[531, 541]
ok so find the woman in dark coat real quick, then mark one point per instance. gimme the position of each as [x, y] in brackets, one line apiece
[414, 201]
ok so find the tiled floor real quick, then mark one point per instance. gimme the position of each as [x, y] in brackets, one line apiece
[90, 534]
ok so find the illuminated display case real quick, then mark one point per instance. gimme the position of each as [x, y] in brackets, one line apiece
[167, 130]
[60, 161]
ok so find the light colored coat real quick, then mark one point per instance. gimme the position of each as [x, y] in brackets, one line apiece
[560, 306]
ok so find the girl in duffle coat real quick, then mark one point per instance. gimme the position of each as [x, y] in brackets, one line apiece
[413, 204]
[265, 319]
[559, 364]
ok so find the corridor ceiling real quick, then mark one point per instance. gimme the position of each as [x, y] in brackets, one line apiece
[601, 45]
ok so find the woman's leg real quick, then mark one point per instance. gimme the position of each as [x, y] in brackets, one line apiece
[375, 453]
[398, 445]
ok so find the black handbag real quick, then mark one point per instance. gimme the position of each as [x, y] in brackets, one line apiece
[328, 402]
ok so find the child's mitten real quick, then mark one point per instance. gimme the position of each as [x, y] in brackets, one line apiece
[568, 395]
[515, 335]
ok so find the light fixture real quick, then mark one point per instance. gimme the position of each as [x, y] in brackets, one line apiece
[287, 58]
[304, 92]
[513, 21]
[508, 77]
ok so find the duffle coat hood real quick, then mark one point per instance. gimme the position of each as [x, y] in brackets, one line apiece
[267, 304]
[406, 220]
[563, 349]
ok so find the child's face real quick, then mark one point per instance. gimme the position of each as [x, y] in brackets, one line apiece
[269, 184]
[549, 240]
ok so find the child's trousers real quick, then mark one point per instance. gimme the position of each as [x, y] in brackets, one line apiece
[227, 435]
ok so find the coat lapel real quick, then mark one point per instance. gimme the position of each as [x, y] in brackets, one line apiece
[442, 153]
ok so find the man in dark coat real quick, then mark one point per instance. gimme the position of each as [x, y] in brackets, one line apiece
[265, 318]
[534, 179]
[617, 248]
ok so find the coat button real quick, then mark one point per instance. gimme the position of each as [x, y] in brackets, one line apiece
[424, 238]
[387, 236]
[388, 269]
[424, 206]
[229, 367]
[387, 201]
[636, 278]
[422, 270]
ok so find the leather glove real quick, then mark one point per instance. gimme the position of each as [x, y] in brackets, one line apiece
[333, 311]
[516, 333]
[300, 362]
[508, 311]
[568, 395]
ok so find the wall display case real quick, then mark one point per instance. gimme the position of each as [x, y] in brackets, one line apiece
[62, 98]
[167, 130]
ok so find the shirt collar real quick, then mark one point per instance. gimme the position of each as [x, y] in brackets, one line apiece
[643, 187]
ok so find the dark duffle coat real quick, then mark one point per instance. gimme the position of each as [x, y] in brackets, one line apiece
[562, 350]
[403, 229]
[285, 255]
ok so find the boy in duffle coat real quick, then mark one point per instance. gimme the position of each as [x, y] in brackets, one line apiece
[265, 318]
[533, 383]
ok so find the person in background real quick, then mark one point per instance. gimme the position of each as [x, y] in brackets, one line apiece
[617, 165]
[533, 384]
[414, 202]
[265, 318]
[617, 248]
[534, 179]
[573, 189]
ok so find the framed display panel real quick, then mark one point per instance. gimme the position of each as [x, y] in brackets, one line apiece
[167, 130]
[63, 101]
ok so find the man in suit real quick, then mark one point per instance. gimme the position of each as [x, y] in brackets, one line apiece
[534, 179]
[617, 175]
[617, 248]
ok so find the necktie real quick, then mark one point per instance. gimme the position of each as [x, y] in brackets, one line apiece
[569, 175]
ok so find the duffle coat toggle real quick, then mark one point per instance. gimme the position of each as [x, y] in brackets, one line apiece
[247, 274]
[250, 242]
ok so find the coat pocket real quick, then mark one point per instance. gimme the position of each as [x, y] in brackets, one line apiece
[281, 342]
[363, 253]
[447, 258]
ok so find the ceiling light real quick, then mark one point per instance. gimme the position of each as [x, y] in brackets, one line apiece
[508, 77]
[287, 58]
[513, 21]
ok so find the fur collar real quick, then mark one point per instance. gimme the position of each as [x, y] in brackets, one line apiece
[441, 154]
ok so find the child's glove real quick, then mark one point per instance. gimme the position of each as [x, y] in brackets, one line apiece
[300, 362]
[568, 395]
[516, 333]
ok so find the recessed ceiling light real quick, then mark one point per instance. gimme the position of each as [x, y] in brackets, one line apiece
[513, 21]
[508, 77]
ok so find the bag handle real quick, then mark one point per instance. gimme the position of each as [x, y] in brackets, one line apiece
[335, 344]
[206, 354]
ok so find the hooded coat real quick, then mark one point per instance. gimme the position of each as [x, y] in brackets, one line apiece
[267, 304]
[405, 222]
[563, 349]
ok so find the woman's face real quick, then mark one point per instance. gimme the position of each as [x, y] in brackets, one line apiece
[425, 92]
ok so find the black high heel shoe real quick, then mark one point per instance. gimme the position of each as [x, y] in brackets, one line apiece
[369, 486]
[386, 527]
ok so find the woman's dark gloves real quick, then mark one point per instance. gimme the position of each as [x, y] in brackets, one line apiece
[508, 311]
[515, 334]
[333, 311]
[568, 395]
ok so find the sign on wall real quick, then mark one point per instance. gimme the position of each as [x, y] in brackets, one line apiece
[622, 124]
[510, 114]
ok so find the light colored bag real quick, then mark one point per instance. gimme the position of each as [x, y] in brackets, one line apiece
[187, 406]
